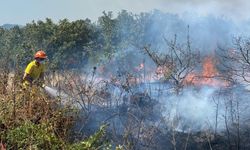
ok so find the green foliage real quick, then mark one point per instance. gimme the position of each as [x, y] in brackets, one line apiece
[33, 136]
[69, 44]
[108, 27]
[96, 141]
[41, 136]
[73, 44]
[41, 125]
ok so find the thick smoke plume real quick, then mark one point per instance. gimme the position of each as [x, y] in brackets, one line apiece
[133, 98]
[193, 110]
[197, 108]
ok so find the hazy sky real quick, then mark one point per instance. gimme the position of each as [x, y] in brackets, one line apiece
[24, 11]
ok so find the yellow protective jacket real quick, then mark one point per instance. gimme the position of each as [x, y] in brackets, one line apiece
[34, 70]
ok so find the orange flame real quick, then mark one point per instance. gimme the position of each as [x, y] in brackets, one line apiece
[208, 76]
[209, 70]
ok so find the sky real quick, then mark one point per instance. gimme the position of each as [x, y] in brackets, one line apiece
[24, 11]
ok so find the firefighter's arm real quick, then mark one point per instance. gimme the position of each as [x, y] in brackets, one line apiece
[27, 77]
[41, 79]
[40, 82]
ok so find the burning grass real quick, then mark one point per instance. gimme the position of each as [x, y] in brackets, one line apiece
[148, 117]
[209, 75]
[206, 112]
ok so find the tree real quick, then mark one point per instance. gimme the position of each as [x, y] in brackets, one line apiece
[176, 62]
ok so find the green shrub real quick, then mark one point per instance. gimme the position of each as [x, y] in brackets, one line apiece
[94, 142]
[33, 136]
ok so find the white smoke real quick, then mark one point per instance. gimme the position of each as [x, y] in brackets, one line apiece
[236, 10]
[191, 109]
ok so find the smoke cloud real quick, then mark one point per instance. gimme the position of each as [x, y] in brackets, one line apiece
[236, 10]
[192, 109]
[29, 10]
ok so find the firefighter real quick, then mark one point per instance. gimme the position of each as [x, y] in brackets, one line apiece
[34, 72]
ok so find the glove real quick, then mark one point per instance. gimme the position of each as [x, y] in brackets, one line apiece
[43, 85]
